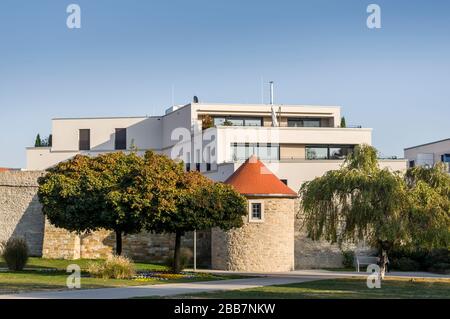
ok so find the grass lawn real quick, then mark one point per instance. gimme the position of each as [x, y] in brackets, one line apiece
[340, 288]
[50, 274]
[61, 264]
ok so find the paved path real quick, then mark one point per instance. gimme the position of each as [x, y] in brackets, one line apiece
[328, 274]
[159, 290]
[265, 279]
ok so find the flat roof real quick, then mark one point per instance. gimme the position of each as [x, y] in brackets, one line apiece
[431, 143]
[103, 118]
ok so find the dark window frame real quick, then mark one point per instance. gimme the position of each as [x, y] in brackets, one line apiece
[120, 144]
[328, 147]
[302, 121]
[84, 144]
[243, 118]
[256, 214]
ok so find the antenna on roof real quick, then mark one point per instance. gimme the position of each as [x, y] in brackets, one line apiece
[274, 115]
[271, 92]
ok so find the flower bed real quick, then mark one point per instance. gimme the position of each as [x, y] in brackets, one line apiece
[165, 275]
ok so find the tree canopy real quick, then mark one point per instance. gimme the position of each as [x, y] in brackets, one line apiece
[85, 194]
[127, 193]
[199, 204]
[361, 201]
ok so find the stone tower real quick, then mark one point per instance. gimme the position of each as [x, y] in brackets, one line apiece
[266, 240]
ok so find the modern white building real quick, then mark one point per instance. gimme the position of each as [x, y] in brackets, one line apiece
[429, 154]
[296, 142]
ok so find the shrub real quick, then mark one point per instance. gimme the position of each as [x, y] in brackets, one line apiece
[15, 253]
[405, 264]
[115, 267]
[426, 259]
[348, 258]
[441, 268]
[186, 256]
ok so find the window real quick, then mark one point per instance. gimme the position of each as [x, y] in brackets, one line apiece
[197, 166]
[284, 181]
[121, 139]
[340, 152]
[238, 121]
[188, 167]
[256, 211]
[323, 152]
[242, 151]
[303, 122]
[411, 163]
[316, 152]
[84, 143]
[208, 167]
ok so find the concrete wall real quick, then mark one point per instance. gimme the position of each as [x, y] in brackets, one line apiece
[226, 135]
[143, 132]
[297, 172]
[157, 133]
[20, 211]
[258, 246]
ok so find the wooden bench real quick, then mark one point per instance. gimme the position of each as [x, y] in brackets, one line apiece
[365, 261]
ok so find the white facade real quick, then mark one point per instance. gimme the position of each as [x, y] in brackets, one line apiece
[429, 154]
[307, 143]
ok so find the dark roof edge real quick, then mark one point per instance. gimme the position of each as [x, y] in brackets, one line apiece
[270, 195]
[445, 139]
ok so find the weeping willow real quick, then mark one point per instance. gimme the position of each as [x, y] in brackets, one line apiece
[361, 201]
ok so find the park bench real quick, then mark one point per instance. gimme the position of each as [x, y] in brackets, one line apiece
[365, 261]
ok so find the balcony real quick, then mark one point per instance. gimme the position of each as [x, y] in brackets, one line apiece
[227, 135]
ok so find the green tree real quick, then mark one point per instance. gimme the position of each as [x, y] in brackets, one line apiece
[85, 194]
[360, 201]
[343, 124]
[198, 204]
[429, 190]
[207, 122]
[38, 141]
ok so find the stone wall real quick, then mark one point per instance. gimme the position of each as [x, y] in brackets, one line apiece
[258, 246]
[310, 254]
[144, 246]
[20, 211]
[274, 245]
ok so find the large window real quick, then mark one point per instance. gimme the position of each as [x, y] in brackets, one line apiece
[121, 139]
[321, 152]
[316, 152]
[84, 143]
[304, 122]
[242, 151]
[238, 121]
[340, 152]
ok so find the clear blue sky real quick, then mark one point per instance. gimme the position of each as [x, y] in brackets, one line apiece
[128, 55]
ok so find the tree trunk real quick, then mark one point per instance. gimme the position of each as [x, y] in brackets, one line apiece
[118, 242]
[385, 247]
[383, 263]
[177, 253]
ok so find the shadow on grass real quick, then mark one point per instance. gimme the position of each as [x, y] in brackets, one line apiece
[338, 288]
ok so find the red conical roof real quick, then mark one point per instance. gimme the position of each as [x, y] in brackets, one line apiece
[253, 178]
